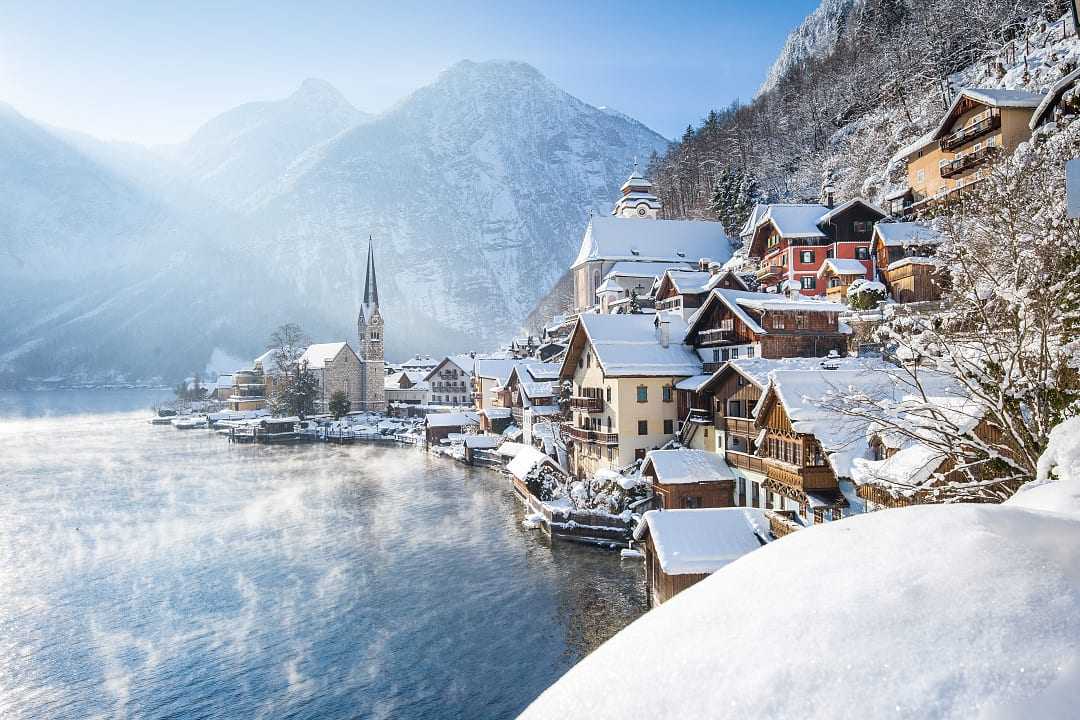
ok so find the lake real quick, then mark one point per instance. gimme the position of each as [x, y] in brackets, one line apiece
[154, 573]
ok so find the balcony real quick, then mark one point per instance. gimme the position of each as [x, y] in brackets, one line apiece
[744, 461]
[710, 367]
[972, 131]
[592, 436]
[739, 426]
[716, 336]
[806, 479]
[769, 271]
[587, 404]
[967, 161]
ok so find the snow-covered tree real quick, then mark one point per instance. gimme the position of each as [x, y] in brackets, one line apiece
[294, 386]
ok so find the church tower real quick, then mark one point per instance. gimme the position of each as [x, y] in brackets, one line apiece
[638, 200]
[369, 328]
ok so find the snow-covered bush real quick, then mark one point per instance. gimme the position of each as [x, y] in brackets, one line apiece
[608, 491]
[545, 482]
[866, 294]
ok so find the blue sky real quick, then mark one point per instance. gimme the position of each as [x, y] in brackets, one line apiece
[153, 72]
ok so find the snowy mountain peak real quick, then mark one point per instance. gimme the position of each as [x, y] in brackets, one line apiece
[816, 36]
[315, 92]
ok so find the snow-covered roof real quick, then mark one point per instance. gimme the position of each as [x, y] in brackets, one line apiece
[542, 371]
[693, 384]
[618, 238]
[842, 266]
[689, 281]
[913, 260]
[526, 459]
[685, 466]
[539, 389]
[843, 207]
[796, 221]
[914, 147]
[497, 413]
[932, 610]
[776, 303]
[496, 369]
[627, 345]
[754, 220]
[1052, 96]
[1001, 97]
[452, 419]
[698, 542]
[903, 234]
[909, 467]
[483, 442]
[643, 268]
[319, 354]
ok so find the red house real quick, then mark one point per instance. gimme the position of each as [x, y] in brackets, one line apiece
[792, 242]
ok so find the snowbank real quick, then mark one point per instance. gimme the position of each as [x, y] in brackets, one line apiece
[1062, 457]
[928, 611]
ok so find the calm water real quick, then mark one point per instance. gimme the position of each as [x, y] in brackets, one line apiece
[148, 572]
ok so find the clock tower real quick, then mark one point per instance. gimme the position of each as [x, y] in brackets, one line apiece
[370, 328]
[638, 200]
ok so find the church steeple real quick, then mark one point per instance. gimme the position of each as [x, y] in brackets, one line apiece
[371, 285]
[637, 198]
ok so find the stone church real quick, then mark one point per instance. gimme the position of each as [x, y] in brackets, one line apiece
[370, 328]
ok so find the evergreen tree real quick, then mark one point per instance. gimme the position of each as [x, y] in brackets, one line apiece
[339, 404]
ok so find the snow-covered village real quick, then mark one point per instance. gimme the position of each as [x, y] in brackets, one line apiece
[497, 403]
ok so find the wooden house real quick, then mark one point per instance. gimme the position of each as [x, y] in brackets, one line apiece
[980, 125]
[684, 291]
[683, 547]
[688, 479]
[904, 254]
[733, 324]
[792, 241]
[837, 275]
[439, 426]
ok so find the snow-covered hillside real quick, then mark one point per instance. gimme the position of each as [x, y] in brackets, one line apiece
[816, 36]
[123, 263]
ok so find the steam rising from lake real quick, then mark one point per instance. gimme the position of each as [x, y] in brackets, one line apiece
[150, 572]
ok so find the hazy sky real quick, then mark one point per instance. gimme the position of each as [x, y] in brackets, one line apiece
[153, 72]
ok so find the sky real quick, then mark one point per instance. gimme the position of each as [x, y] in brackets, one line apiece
[152, 73]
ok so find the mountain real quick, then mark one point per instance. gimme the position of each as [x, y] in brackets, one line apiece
[476, 190]
[239, 152]
[815, 37]
[126, 264]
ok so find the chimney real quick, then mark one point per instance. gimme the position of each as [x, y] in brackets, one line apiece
[828, 196]
[663, 330]
[703, 264]
[715, 268]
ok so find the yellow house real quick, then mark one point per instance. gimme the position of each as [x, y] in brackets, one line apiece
[624, 369]
[980, 124]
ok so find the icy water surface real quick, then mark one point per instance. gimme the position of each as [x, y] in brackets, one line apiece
[147, 572]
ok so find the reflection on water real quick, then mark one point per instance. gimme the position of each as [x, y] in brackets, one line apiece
[150, 572]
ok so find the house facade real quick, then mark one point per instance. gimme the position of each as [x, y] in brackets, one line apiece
[337, 369]
[623, 369]
[407, 388]
[451, 381]
[904, 253]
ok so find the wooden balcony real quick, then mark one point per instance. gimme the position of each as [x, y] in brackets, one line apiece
[592, 436]
[769, 271]
[743, 461]
[710, 367]
[806, 479]
[782, 522]
[739, 426]
[587, 404]
[969, 133]
[968, 161]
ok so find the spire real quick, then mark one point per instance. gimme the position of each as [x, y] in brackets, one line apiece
[371, 286]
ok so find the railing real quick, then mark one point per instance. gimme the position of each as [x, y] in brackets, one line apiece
[964, 162]
[769, 270]
[592, 436]
[782, 522]
[958, 138]
[744, 461]
[942, 199]
[800, 478]
[586, 404]
[740, 426]
[712, 366]
[671, 303]
[518, 415]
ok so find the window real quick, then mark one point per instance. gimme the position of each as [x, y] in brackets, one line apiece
[837, 514]
[734, 408]
[863, 226]
[588, 360]
[806, 256]
[862, 253]
[669, 427]
[668, 393]
[755, 495]
[727, 324]
[642, 427]
[734, 353]
[828, 253]
[809, 282]
[725, 354]
[778, 321]
[691, 502]
[609, 424]
[611, 453]
[639, 454]
[750, 351]
[920, 176]
[801, 319]
[609, 394]
[716, 355]
[642, 394]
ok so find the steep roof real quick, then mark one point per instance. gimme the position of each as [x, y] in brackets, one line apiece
[753, 220]
[796, 220]
[1052, 96]
[318, 355]
[739, 300]
[628, 346]
[618, 238]
[499, 370]
[698, 542]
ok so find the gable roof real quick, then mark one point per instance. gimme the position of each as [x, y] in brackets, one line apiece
[797, 221]
[753, 220]
[845, 206]
[685, 466]
[499, 370]
[842, 266]
[992, 97]
[633, 239]
[698, 542]
[627, 346]
[738, 301]
[902, 234]
[318, 355]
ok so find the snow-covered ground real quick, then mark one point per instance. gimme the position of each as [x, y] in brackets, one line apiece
[925, 612]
